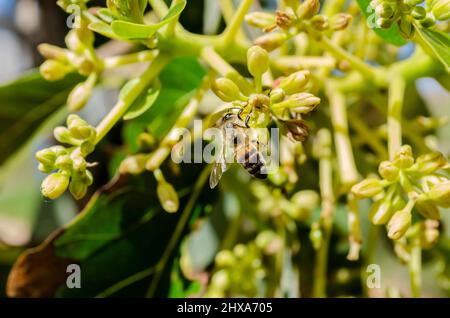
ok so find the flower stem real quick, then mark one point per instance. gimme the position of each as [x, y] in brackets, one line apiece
[326, 222]
[125, 101]
[415, 265]
[395, 104]
[346, 161]
[235, 24]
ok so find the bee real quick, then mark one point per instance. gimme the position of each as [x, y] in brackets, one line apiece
[245, 150]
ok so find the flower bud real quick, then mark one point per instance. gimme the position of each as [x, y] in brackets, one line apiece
[440, 194]
[295, 82]
[257, 61]
[167, 196]
[225, 258]
[384, 10]
[441, 9]
[412, 3]
[431, 162]
[54, 185]
[316, 236]
[381, 211]
[340, 21]
[226, 89]
[367, 188]
[79, 96]
[261, 20]
[388, 171]
[403, 159]
[59, 150]
[301, 103]
[406, 28]
[384, 23]
[63, 135]
[419, 13]
[52, 52]
[64, 163]
[429, 234]
[79, 164]
[285, 19]
[306, 199]
[320, 22]
[87, 147]
[428, 209]
[240, 250]
[429, 21]
[134, 164]
[77, 188]
[297, 129]
[271, 41]
[46, 156]
[220, 280]
[277, 95]
[79, 128]
[269, 242]
[308, 8]
[399, 224]
[45, 168]
[53, 70]
[73, 42]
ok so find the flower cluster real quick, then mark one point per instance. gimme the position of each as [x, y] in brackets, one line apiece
[297, 16]
[406, 184]
[238, 271]
[405, 12]
[67, 166]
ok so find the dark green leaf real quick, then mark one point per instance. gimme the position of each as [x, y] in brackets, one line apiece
[437, 44]
[390, 35]
[133, 31]
[25, 104]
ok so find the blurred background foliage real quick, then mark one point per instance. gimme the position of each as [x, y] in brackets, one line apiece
[131, 250]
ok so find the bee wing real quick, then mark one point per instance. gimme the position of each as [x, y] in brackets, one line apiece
[219, 167]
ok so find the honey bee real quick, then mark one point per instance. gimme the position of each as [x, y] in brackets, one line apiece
[245, 151]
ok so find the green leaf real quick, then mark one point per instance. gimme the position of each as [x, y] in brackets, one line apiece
[103, 29]
[437, 44]
[134, 31]
[144, 101]
[390, 35]
[25, 104]
[106, 15]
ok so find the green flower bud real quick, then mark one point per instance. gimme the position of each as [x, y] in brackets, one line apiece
[261, 20]
[399, 224]
[87, 177]
[367, 188]
[271, 41]
[53, 70]
[320, 22]
[52, 52]
[384, 23]
[220, 280]
[277, 95]
[428, 209]
[87, 147]
[429, 21]
[308, 8]
[384, 10]
[79, 96]
[388, 171]
[340, 21]
[412, 3]
[419, 13]
[134, 164]
[46, 168]
[225, 258]
[301, 103]
[77, 188]
[59, 150]
[440, 194]
[240, 250]
[295, 82]
[64, 163]
[79, 164]
[305, 202]
[441, 9]
[398, 203]
[63, 135]
[73, 42]
[431, 162]
[381, 211]
[167, 196]
[316, 236]
[406, 28]
[79, 128]
[257, 61]
[403, 159]
[226, 89]
[269, 242]
[46, 156]
[54, 185]
[285, 19]
[429, 234]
